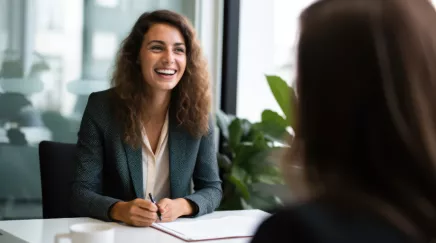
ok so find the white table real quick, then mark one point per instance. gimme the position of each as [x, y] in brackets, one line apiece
[44, 230]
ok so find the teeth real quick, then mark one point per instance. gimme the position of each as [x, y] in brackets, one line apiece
[166, 71]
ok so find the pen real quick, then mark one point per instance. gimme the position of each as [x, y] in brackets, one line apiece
[153, 201]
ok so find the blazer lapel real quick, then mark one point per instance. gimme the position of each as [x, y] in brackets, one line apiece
[176, 143]
[134, 160]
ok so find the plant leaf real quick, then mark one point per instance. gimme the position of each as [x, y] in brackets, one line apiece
[240, 186]
[244, 153]
[223, 121]
[231, 203]
[254, 161]
[245, 205]
[274, 117]
[273, 126]
[261, 199]
[224, 162]
[246, 128]
[235, 133]
[263, 165]
[260, 143]
[260, 163]
[270, 175]
[238, 173]
[264, 203]
[284, 95]
[272, 180]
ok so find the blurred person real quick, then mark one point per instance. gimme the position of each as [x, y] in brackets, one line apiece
[151, 133]
[366, 125]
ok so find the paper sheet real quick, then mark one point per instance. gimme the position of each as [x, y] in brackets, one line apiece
[204, 229]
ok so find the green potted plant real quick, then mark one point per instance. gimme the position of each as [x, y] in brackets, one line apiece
[247, 160]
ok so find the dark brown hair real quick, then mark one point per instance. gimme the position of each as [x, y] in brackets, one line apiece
[367, 107]
[190, 99]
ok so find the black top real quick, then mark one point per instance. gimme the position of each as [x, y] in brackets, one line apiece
[315, 223]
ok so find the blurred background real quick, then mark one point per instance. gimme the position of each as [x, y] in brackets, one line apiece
[54, 53]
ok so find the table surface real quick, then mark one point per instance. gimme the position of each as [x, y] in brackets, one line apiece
[44, 230]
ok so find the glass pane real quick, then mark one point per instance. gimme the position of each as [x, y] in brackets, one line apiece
[53, 54]
[273, 49]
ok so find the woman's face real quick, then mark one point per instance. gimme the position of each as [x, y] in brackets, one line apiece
[162, 57]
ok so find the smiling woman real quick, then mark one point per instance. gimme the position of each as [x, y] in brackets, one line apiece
[151, 133]
[163, 57]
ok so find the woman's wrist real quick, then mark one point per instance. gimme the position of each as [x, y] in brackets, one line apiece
[115, 211]
[185, 206]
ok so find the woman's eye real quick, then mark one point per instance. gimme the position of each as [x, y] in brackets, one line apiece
[158, 48]
[181, 50]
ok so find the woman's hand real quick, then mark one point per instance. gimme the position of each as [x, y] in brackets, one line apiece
[138, 212]
[172, 209]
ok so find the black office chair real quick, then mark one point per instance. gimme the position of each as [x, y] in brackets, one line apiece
[56, 162]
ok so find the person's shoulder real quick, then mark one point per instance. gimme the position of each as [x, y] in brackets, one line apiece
[102, 96]
[100, 104]
[101, 100]
[319, 222]
[282, 226]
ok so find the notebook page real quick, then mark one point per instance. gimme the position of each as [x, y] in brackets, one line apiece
[202, 229]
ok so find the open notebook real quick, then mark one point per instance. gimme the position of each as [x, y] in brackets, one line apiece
[211, 229]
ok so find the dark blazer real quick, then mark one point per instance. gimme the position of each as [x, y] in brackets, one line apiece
[108, 170]
[317, 223]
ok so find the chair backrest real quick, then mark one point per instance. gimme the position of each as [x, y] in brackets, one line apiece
[56, 162]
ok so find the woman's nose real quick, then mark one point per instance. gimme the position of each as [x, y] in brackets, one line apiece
[168, 58]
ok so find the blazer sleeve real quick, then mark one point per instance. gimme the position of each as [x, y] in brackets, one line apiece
[86, 199]
[207, 183]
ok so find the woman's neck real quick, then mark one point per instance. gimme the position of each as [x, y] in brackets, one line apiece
[158, 104]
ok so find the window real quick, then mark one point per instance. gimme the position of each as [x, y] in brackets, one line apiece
[267, 38]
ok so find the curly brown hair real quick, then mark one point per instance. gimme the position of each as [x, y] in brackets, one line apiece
[190, 99]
